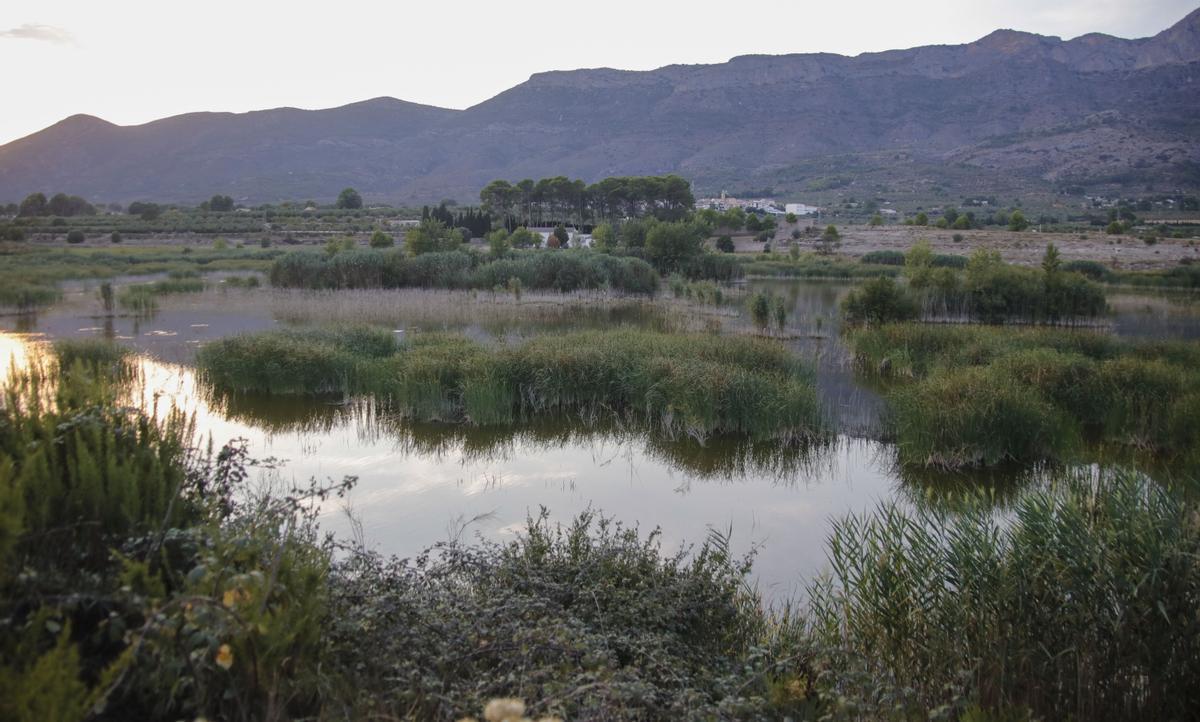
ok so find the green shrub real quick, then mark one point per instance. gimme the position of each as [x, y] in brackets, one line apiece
[760, 310]
[929, 347]
[242, 282]
[942, 260]
[602, 622]
[997, 292]
[712, 267]
[1139, 394]
[178, 284]
[1069, 380]
[877, 301]
[379, 239]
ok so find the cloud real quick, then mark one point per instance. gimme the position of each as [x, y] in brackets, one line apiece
[33, 31]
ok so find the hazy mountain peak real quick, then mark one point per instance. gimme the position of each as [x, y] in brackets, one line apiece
[1014, 41]
[1183, 38]
[67, 129]
[1012, 108]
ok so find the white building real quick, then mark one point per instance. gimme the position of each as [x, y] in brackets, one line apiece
[801, 209]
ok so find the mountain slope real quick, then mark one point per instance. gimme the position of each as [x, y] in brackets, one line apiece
[1010, 108]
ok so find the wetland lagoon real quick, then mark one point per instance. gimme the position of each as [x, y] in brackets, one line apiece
[723, 501]
[422, 481]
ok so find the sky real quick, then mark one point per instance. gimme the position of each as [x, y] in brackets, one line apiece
[133, 61]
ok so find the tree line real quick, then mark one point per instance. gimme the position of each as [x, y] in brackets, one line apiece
[60, 204]
[478, 222]
[560, 200]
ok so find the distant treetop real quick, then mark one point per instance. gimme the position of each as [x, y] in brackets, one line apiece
[561, 200]
[349, 199]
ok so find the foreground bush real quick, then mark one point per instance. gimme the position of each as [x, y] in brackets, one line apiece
[1083, 607]
[133, 584]
[600, 623]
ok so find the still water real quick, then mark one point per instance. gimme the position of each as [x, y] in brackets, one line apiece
[423, 483]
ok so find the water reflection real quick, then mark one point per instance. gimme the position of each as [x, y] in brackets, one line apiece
[418, 481]
[814, 330]
[1156, 315]
[718, 458]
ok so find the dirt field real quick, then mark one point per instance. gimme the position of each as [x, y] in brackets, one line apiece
[1120, 252]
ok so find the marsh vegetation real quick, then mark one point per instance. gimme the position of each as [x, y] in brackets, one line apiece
[969, 395]
[675, 384]
[371, 268]
[1034, 555]
[234, 590]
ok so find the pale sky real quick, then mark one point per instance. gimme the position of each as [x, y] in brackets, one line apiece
[132, 61]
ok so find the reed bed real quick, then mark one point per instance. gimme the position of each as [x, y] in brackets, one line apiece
[127, 566]
[22, 296]
[370, 268]
[1080, 605]
[678, 384]
[294, 361]
[970, 396]
[102, 357]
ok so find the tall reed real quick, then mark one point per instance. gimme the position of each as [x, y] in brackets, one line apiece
[1081, 606]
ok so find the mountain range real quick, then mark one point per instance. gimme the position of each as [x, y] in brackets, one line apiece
[1013, 110]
